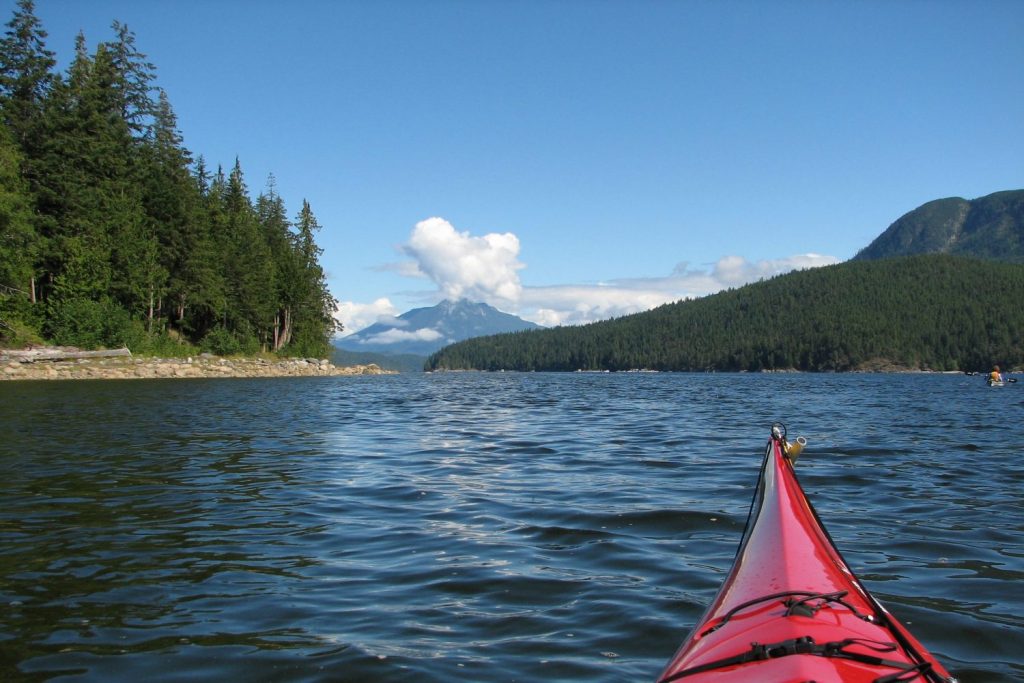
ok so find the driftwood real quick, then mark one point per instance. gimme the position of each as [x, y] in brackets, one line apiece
[51, 353]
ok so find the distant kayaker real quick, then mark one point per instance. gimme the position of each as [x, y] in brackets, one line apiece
[995, 375]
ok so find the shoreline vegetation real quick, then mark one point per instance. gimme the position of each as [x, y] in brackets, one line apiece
[65, 363]
[113, 233]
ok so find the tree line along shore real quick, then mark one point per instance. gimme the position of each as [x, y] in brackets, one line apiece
[115, 234]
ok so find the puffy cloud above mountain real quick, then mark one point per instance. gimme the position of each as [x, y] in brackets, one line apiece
[466, 267]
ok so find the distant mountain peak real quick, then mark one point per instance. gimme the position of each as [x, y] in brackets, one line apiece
[422, 331]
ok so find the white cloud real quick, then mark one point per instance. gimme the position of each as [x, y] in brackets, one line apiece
[578, 304]
[355, 316]
[733, 271]
[463, 266]
[394, 336]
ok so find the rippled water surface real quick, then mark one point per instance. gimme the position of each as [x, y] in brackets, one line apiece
[479, 527]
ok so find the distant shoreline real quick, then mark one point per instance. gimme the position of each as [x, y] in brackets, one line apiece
[18, 365]
[64, 363]
[894, 370]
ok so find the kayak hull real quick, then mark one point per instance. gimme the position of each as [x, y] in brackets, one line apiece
[791, 609]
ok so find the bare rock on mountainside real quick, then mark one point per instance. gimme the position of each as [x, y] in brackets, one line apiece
[991, 227]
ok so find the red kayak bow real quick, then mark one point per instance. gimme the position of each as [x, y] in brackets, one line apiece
[791, 609]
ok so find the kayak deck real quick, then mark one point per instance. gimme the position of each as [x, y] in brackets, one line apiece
[791, 609]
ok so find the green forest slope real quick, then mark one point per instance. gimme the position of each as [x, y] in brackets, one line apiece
[934, 312]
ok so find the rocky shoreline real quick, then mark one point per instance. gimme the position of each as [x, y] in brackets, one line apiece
[26, 366]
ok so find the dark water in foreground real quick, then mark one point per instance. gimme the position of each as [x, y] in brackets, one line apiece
[478, 527]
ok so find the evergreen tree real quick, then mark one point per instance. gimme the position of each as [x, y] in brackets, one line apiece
[276, 229]
[26, 79]
[26, 75]
[171, 201]
[249, 269]
[200, 295]
[72, 164]
[314, 314]
[215, 220]
[103, 248]
[133, 86]
[19, 243]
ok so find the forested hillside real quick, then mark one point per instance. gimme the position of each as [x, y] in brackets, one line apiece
[933, 312]
[113, 234]
[990, 227]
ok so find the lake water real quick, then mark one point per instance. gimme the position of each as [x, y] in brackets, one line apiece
[479, 527]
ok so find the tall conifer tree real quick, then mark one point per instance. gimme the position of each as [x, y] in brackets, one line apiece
[26, 79]
[250, 269]
[26, 75]
[19, 243]
[315, 322]
[276, 229]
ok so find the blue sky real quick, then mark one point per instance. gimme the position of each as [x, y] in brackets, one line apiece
[569, 160]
